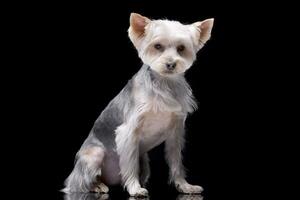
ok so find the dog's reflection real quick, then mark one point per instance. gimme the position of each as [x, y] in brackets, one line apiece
[86, 196]
[189, 197]
[179, 197]
[95, 196]
[138, 198]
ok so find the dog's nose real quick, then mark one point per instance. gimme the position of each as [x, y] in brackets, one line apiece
[171, 66]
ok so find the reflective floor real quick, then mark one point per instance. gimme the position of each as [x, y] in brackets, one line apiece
[93, 196]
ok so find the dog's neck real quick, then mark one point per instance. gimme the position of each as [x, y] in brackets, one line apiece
[151, 78]
[167, 88]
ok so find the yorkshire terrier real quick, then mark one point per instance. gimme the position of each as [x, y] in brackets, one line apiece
[150, 109]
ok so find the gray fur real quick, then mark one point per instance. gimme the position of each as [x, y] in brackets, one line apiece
[112, 117]
[171, 91]
[82, 178]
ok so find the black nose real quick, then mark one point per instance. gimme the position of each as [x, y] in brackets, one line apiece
[171, 66]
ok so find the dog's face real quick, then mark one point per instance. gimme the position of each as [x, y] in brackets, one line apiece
[168, 47]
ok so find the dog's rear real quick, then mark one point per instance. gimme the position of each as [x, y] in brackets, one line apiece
[85, 176]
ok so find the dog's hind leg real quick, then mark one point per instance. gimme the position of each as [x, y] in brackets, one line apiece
[86, 174]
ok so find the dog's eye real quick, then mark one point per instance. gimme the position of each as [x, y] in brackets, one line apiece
[180, 48]
[158, 46]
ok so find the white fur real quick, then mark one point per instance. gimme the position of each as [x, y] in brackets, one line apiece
[151, 109]
[170, 34]
[151, 123]
[127, 148]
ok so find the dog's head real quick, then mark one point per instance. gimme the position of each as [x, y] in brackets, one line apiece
[168, 47]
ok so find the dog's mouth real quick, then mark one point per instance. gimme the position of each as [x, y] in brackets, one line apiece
[168, 72]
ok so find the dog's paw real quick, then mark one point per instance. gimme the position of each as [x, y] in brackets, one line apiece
[188, 188]
[139, 192]
[101, 188]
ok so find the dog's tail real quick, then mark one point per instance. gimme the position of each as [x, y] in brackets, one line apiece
[79, 179]
[85, 174]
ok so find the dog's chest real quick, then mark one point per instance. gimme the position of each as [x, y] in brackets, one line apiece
[157, 117]
[155, 122]
[154, 128]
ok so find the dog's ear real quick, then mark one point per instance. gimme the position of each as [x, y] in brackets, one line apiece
[138, 23]
[137, 27]
[204, 28]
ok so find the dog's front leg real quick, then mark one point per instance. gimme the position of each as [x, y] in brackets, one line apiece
[173, 147]
[144, 169]
[128, 149]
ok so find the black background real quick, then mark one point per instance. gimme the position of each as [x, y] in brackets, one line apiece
[73, 58]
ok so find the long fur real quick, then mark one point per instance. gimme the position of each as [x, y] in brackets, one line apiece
[84, 176]
[169, 94]
[150, 109]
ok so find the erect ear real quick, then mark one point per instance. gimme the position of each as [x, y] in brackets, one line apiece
[137, 27]
[138, 23]
[204, 28]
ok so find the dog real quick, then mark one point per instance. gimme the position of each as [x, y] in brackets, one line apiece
[150, 109]
[105, 196]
